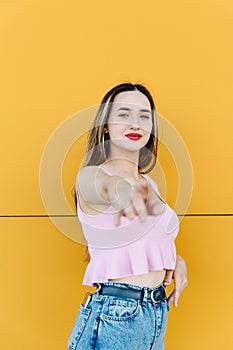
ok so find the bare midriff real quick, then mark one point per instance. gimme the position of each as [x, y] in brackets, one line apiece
[151, 279]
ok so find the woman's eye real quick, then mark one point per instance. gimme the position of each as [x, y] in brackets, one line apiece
[123, 115]
[144, 116]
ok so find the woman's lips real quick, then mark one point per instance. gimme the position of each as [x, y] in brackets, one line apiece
[133, 136]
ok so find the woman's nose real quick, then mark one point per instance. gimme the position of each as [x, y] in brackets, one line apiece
[134, 122]
[134, 127]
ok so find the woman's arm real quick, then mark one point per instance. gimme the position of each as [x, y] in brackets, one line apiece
[180, 280]
[126, 196]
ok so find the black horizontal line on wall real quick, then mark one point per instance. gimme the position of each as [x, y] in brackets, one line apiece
[59, 215]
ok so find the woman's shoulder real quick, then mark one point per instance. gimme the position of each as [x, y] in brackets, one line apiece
[83, 205]
[101, 166]
[150, 180]
[105, 169]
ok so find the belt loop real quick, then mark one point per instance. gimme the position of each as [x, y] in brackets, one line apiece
[145, 295]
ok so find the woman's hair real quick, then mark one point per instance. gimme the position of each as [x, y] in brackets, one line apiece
[97, 151]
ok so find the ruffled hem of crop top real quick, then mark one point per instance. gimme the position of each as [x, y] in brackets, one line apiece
[133, 248]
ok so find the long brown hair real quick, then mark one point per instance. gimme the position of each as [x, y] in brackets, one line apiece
[97, 151]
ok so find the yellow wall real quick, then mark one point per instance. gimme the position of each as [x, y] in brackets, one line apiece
[60, 57]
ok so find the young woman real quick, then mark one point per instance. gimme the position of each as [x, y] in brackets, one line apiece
[129, 228]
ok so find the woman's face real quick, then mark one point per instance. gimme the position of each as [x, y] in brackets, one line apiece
[130, 121]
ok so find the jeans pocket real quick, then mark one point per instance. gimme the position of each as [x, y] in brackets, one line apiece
[78, 327]
[115, 309]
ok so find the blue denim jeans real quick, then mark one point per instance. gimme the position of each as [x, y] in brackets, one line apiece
[109, 322]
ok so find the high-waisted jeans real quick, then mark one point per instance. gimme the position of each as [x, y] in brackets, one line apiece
[111, 323]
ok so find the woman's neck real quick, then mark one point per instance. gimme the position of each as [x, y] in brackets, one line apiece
[122, 167]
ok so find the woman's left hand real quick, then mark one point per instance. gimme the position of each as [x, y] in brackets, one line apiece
[180, 280]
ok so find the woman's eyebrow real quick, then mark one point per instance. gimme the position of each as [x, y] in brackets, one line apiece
[128, 109]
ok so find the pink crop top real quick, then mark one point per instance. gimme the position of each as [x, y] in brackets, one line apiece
[133, 248]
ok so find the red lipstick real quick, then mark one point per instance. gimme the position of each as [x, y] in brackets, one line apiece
[134, 136]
